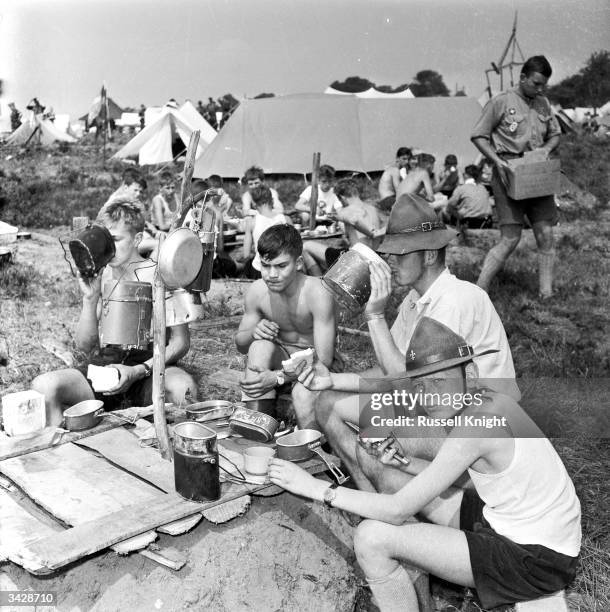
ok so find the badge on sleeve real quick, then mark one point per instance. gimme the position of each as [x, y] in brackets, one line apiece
[513, 127]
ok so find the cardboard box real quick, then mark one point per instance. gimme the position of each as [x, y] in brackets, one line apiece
[528, 178]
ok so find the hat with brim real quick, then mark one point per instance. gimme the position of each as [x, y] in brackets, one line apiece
[414, 226]
[435, 347]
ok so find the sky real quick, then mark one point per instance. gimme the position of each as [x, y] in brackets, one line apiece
[147, 51]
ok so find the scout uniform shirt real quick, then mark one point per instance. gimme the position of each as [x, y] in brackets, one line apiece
[516, 124]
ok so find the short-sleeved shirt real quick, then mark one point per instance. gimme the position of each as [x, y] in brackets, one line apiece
[514, 124]
[467, 310]
[328, 202]
[469, 201]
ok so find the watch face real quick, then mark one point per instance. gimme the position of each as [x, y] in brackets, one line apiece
[329, 496]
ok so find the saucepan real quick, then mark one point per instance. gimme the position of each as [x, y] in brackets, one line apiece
[210, 410]
[180, 258]
[83, 415]
[301, 445]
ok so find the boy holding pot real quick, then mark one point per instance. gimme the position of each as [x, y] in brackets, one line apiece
[64, 388]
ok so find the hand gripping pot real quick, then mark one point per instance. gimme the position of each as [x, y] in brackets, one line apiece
[126, 315]
[349, 279]
[92, 249]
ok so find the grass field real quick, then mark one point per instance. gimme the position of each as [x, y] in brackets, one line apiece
[565, 337]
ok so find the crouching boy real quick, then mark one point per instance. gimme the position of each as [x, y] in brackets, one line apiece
[64, 388]
[285, 311]
[516, 537]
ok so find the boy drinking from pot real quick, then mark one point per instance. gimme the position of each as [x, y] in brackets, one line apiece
[64, 388]
[516, 537]
[285, 311]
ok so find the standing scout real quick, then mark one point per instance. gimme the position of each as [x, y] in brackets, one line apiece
[512, 123]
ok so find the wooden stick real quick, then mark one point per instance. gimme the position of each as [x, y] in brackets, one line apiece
[313, 202]
[186, 195]
[158, 390]
[353, 332]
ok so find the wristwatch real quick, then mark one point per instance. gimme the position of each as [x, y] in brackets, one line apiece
[280, 378]
[147, 370]
[330, 494]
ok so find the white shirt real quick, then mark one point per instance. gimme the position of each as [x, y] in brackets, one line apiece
[328, 202]
[248, 208]
[467, 310]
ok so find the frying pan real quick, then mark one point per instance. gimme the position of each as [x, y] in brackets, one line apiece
[180, 258]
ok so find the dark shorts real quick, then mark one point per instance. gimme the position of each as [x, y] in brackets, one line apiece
[506, 572]
[511, 211]
[140, 392]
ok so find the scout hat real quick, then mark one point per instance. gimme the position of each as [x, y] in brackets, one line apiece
[414, 226]
[435, 347]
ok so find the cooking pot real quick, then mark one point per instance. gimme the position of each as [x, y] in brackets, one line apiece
[253, 425]
[301, 445]
[91, 249]
[210, 410]
[83, 415]
[180, 258]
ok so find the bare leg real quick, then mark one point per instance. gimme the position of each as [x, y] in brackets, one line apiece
[61, 389]
[543, 232]
[510, 235]
[179, 385]
[304, 402]
[265, 355]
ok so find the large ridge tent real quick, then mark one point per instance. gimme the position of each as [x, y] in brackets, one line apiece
[280, 134]
[36, 130]
[371, 92]
[153, 145]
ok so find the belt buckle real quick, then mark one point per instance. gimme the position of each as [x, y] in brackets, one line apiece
[464, 350]
[426, 226]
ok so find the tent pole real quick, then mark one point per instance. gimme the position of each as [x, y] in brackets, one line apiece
[313, 202]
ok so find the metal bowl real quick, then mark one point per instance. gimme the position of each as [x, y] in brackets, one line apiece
[180, 258]
[84, 415]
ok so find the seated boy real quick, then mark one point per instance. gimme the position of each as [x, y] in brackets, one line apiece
[469, 205]
[363, 222]
[516, 537]
[328, 202]
[64, 388]
[285, 311]
[255, 177]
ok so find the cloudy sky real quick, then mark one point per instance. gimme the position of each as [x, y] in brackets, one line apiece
[147, 51]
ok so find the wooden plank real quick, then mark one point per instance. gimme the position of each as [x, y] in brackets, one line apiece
[18, 529]
[74, 485]
[123, 448]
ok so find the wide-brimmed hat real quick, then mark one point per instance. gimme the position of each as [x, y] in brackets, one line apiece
[435, 347]
[414, 226]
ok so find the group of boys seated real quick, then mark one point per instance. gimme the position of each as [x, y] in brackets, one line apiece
[501, 513]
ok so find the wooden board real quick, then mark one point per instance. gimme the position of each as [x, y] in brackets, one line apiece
[123, 448]
[74, 485]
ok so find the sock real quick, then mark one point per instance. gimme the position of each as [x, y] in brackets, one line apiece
[491, 266]
[395, 592]
[269, 395]
[546, 260]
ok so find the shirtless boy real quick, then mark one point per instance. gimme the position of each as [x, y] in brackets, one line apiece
[64, 388]
[394, 174]
[363, 222]
[285, 311]
[418, 180]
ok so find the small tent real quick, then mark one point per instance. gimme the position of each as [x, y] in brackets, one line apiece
[153, 145]
[280, 134]
[114, 110]
[36, 130]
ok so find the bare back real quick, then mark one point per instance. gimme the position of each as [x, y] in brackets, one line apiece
[415, 182]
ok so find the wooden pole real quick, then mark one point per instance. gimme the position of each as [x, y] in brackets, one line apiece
[313, 202]
[159, 339]
[158, 390]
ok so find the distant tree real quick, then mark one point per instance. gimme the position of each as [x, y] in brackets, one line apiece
[264, 95]
[227, 102]
[353, 84]
[589, 87]
[428, 83]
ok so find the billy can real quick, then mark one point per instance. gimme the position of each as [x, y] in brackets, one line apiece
[196, 467]
[126, 315]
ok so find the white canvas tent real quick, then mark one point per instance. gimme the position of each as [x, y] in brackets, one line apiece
[36, 130]
[153, 145]
[208, 133]
[371, 92]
